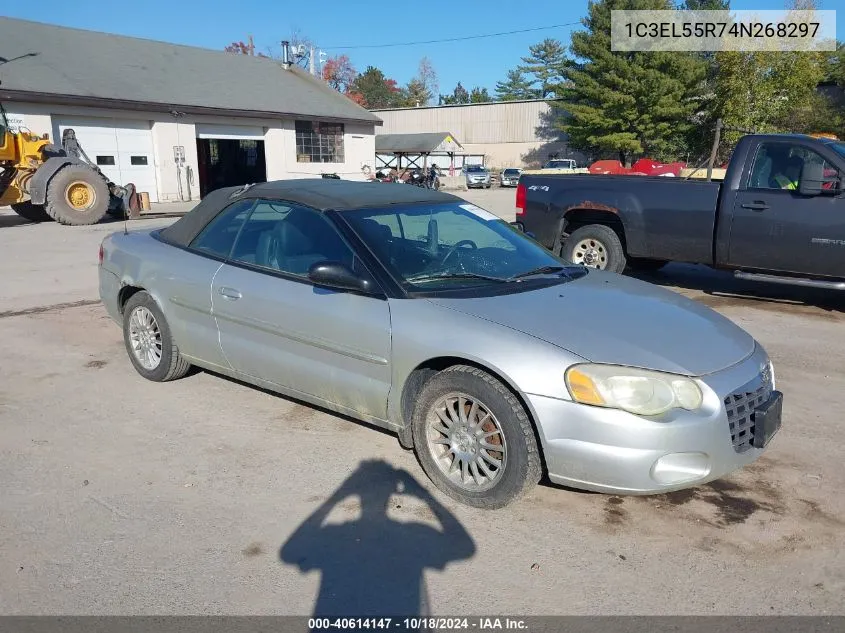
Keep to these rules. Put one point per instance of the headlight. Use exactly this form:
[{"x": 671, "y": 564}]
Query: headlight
[{"x": 638, "y": 391}]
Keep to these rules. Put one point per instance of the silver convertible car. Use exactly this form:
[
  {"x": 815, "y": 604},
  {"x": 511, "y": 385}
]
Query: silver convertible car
[{"x": 413, "y": 310}]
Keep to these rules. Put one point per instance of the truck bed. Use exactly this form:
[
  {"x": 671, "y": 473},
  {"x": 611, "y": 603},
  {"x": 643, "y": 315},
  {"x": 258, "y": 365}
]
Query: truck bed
[{"x": 663, "y": 218}]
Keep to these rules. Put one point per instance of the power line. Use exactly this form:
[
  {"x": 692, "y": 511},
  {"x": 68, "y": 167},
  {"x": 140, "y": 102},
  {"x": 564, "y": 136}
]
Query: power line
[{"x": 453, "y": 39}]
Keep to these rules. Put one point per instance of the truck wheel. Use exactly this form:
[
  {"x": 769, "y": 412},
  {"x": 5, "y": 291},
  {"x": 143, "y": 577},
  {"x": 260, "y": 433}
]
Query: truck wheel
[
  {"x": 149, "y": 342},
  {"x": 77, "y": 195},
  {"x": 646, "y": 265},
  {"x": 474, "y": 439},
  {"x": 595, "y": 246},
  {"x": 31, "y": 212}
]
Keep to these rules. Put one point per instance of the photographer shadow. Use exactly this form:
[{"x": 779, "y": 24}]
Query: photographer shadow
[{"x": 373, "y": 565}]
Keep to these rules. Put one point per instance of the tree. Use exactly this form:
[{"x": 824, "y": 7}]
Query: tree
[
  {"x": 373, "y": 90},
  {"x": 514, "y": 87},
  {"x": 835, "y": 65},
  {"x": 706, "y": 5},
  {"x": 765, "y": 91},
  {"x": 339, "y": 73},
  {"x": 459, "y": 95},
  {"x": 545, "y": 66},
  {"x": 243, "y": 48},
  {"x": 479, "y": 95},
  {"x": 427, "y": 78},
  {"x": 627, "y": 103}
]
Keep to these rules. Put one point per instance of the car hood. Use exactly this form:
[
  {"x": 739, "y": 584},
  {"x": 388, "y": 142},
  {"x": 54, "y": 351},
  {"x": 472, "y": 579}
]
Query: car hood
[{"x": 609, "y": 318}]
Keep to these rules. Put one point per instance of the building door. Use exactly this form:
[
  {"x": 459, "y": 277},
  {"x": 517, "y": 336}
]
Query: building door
[
  {"x": 121, "y": 148},
  {"x": 229, "y": 155}
]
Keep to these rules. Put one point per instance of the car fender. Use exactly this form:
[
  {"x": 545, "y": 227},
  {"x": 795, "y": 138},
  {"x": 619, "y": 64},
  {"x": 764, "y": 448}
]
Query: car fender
[{"x": 524, "y": 363}]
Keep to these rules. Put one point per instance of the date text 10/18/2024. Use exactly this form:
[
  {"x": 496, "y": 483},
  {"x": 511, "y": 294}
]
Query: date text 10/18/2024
[{"x": 417, "y": 624}]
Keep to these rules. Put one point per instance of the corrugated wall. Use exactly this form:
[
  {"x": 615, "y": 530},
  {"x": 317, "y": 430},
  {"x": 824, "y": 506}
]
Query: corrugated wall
[{"x": 504, "y": 122}]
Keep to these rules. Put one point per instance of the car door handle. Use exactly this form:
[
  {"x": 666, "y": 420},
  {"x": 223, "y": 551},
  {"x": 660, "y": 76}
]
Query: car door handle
[
  {"x": 230, "y": 293},
  {"x": 757, "y": 205}
]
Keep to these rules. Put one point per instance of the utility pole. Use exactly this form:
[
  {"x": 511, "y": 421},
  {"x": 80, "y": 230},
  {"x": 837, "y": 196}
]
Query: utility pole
[{"x": 311, "y": 61}]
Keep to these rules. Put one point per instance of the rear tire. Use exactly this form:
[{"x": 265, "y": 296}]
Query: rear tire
[
  {"x": 500, "y": 423},
  {"x": 595, "y": 246},
  {"x": 77, "y": 195},
  {"x": 31, "y": 212},
  {"x": 149, "y": 341}
]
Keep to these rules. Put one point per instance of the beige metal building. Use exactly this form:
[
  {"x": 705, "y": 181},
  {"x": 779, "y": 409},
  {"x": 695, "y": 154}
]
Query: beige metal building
[{"x": 498, "y": 134}]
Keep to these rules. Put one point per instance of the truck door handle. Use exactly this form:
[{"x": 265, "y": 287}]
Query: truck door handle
[
  {"x": 757, "y": 205},
  {"x": 230, "y": 293}
]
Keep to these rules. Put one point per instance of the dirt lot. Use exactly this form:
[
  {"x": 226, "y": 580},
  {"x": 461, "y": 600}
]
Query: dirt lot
[{"x": 122, "y": 496}]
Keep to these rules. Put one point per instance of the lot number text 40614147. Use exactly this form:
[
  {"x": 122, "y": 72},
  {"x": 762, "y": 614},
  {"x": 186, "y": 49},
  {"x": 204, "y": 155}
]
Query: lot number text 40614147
[{"x": 417, "y": 624}]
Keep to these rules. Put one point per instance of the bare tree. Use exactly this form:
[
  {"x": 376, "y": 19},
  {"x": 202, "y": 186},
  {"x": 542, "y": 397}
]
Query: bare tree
[{"x": 427, "y": 76}]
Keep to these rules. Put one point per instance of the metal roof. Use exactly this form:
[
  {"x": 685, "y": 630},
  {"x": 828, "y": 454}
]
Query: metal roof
[
  {"x": 422, "y": 143},
  {"x": 443, "y": 106},
  {"x": 74, "y": 66}
]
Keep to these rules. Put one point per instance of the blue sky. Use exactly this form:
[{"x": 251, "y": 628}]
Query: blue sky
[{"x": 334, "y": 23}]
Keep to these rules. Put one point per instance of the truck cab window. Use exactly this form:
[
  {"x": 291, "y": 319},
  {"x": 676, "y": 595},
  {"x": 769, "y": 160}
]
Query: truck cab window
[{"x": 779, "y": 166}]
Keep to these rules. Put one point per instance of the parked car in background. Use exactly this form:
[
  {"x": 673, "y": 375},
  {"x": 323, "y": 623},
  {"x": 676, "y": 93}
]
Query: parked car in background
[
  {"x": 510, "y": 177},
  {"x": 561, "y": 163},
  {"x": 778, "y": 216},
  {"x": 431, "y": 317},
  {"x": 477, "y": 177}
]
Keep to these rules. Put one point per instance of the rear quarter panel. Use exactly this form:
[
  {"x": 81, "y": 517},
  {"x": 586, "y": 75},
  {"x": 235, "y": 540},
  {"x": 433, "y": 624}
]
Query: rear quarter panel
[{"x": 178, "y": 280}]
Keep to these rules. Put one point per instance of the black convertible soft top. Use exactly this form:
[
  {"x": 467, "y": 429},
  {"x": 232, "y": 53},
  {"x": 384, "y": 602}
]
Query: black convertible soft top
[{"x": 318, "y": 193}]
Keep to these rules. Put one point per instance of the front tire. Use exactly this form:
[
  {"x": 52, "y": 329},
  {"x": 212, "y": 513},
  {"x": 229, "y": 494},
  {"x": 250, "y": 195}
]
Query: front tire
[
  {"x": 149, "y": 341},
  {"x": 595, "y": 246},
  {"x": 77, "y": 195},
  {"x": 474, "y": 439}
]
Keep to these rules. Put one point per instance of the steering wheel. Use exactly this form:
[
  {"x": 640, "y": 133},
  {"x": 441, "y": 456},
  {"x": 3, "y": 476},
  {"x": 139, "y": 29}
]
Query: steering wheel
[{"x": 456, "y": 246}]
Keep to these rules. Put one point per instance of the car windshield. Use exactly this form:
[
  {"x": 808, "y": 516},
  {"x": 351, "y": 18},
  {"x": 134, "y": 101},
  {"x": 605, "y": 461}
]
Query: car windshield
[
  {"x": 476, "y": 168},
  {"x": 453, "y": 245},
  {"x": 839, "y": 148},
  {"x": 511, "y": 172}
]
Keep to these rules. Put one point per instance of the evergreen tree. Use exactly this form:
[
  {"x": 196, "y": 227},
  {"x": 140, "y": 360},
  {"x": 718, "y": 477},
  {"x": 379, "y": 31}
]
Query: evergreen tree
[
  {"x": 479, "y": 95},
  {"x": 459, "y": 95},
  {"x": 545, "y": 66},
  {"x": 628, "y": 103},
  {"x": 373, "y": 90},
  {"x": 514, "y": 87}
]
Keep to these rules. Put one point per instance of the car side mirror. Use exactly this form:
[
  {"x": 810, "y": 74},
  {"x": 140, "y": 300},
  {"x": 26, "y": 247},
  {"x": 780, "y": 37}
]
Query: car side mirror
[
  {"x": 337, "y": 276},
  {"x": 812, "y": 177}
]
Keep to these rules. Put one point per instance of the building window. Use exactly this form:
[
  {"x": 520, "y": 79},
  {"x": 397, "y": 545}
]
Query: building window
[
  {"x": 319, "y": 142},
  {"x": 138, "y": 160},
  {"x": 105, "y": 160}
]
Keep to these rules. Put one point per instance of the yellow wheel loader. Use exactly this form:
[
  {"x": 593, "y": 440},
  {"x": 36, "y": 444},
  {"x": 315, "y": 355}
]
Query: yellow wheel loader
[{"x": 43, "y": 181}]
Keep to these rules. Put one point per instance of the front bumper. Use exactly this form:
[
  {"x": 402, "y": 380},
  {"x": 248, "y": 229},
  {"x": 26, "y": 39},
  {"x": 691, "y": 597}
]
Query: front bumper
[{"x": 611, "y": 451}]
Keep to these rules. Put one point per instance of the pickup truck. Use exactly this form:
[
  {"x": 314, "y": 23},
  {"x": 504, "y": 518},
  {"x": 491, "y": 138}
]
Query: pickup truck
[{"x": 778, "y": 215}]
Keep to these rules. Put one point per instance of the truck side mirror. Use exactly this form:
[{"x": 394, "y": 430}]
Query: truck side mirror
[{"x": 812, "y": 177}]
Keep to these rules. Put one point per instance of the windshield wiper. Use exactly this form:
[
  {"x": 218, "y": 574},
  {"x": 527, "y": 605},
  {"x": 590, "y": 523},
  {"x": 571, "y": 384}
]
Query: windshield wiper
[
  {"x": 542, "y": 270},
  {"x": 438, "y": 276}
]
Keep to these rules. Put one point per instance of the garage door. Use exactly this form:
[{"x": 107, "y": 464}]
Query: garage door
[{"x": 121, "y": 148}]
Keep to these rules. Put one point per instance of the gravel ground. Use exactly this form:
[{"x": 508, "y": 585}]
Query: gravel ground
[{"x": 121, "y": 496}]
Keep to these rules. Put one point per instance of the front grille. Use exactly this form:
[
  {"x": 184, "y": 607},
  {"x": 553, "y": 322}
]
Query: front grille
[{"x": 740, "y": 406}]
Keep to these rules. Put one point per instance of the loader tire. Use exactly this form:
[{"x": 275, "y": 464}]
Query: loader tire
[
  {"x": 31, "y": 212},
  {"x": 77, "y": 195}
]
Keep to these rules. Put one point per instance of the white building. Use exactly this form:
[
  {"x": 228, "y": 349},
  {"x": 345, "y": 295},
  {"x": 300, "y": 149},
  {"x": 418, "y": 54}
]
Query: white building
[
  {"x": 178, "y": 121},
  {"x": 498, "y": 134}
]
